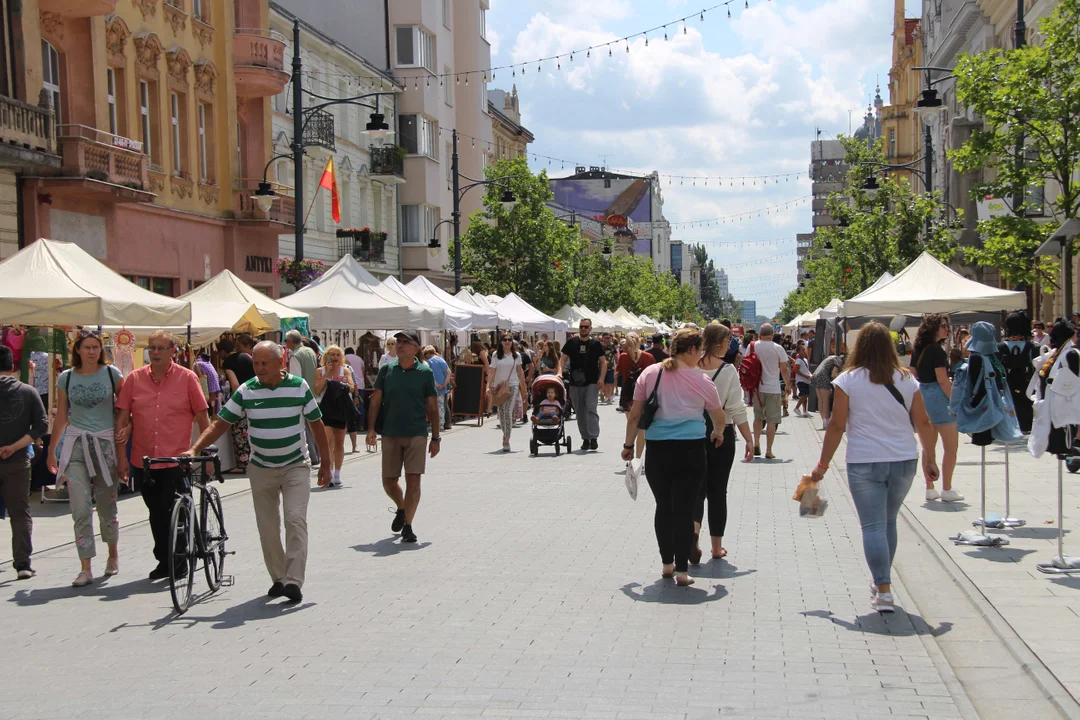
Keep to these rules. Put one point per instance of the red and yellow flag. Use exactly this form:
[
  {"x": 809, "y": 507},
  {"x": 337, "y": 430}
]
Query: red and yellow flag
[{"x": 329, "y": 181}]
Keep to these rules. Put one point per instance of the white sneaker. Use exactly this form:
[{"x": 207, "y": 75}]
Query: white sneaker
[
  {"x": 951, "y": 495},
  {"x": 883, "y": 603},
  {"x": 932, "y": 494},
  {"x": 335, "y": 478}
]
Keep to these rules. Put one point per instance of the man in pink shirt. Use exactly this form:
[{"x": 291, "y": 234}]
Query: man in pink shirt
[{"x": 160, "y": 401}]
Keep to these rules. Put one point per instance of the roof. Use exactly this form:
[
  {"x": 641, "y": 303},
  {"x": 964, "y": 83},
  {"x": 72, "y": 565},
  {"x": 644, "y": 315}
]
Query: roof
[
  {"x": 510, "y": 125},
  {"x": 911, "y": 25}
]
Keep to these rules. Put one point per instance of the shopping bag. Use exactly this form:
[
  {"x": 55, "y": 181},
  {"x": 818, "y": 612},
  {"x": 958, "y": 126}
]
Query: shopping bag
[
  {"x": 633, "y": 474},
  {"x": 812, "y": 504}
]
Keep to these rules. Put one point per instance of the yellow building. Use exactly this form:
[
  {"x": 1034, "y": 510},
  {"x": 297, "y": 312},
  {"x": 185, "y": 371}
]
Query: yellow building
[
  {"x": 161, "y": 109},
  {"x": 901, "y": 133},
  {"x": 511, "y": 138}
]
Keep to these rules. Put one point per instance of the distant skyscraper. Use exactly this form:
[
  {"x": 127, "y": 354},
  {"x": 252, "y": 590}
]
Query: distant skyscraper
[
  {"x": 722, "y": 281},
  {"x": 749, "y": 310}
]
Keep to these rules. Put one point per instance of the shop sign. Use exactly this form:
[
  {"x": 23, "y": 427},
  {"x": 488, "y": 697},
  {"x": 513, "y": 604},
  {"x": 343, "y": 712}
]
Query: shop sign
[
  {"x": 991, "y": 207},
  {"x": 259, "y": 263},
  {"x": 126, "y": 143},
  {"x": 618, "y": 221}
]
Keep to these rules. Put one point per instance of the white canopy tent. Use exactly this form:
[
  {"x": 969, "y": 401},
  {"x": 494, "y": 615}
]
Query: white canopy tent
[
  {"x": 455, "y": 319},
  {"x": 608, "y": 320},
  {"x": 349, "y": 297},
  {"x": 832, "y": 309},
  {"x": 572, "y": 315},
  {"x": 601, "y": 322},
  {"x": 430, "y": 294},
  {"x": 631, "y": 320},
  {"x": 54, "y": 283},
  {"x": 927, "y": 285},
  {"x": 795, "y": 322},
  {"x": 479, "y": 301},
  {"x": 530, "y": 319}
]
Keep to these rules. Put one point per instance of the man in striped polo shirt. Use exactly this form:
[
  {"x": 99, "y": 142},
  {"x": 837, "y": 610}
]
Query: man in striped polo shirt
[{"x": 276, "y": 408}]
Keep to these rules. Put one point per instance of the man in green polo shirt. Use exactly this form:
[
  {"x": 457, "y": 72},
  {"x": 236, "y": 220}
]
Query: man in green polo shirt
[
  {"x": 405, "y": 397},
  {"x": 277, "y": 408}
]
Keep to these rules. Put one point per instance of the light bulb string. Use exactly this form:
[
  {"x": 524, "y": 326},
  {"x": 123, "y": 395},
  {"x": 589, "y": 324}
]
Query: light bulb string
[{"x": 728, "y": 218}]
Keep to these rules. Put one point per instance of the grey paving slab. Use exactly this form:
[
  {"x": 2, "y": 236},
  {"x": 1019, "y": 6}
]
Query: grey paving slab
[{"x": 534, "y": 592}]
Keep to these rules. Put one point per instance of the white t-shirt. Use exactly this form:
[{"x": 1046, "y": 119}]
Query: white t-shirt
[
  {"x": 878, "y": 427},
  {"x": 506, "y": 369},
  {"x": 771, "y": 355},
  {"x": 802, "y": 370}
]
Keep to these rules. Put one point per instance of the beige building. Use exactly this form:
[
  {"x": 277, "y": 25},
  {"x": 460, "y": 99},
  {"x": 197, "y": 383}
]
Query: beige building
[
  {"x": 511, "y": 138},
  {"x": 901, "y": 131}
]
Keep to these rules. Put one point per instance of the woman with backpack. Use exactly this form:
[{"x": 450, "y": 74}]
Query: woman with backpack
[
  {"x": 1018, "y": 355},
  {"x": 876, "y": 403},
  {"x": 84, "y": 434},
  {"x": 719, "y": 459},
  {"x": 931, "y": 363}
]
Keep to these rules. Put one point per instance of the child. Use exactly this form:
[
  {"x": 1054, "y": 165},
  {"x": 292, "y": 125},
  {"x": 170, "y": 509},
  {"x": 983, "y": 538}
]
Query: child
[{"x": 549, "y": 410}]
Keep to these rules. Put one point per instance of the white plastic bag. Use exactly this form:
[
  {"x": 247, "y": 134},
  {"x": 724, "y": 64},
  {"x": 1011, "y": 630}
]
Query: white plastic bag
[{"x": 633, "y": 474}]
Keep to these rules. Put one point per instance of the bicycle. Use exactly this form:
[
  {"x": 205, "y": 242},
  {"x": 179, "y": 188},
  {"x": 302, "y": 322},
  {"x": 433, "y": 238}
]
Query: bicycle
[{"x": 195, "y": 536}]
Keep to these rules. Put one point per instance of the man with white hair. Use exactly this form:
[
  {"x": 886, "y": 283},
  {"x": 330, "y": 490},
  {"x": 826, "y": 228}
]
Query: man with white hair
[
  {"x": 277, "y": 408},
  {"x": 304, "y": 362},
  {"x": 767, "y": 398}
]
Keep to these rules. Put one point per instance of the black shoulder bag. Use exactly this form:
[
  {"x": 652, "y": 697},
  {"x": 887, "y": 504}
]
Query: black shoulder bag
[
  {"x": 900, "y": 399},
  {"x": 651, "y": 405},
  {"x": 708, "y": 418}
]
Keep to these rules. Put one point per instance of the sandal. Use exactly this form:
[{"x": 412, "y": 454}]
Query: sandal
[
  {"x": 83, "y": 579},
  {"x": 112, "y": 566},
  {"x": 685, "y": 581},
  {"x": 721, "y": 556},
  {"x": 667, "y": 575}
]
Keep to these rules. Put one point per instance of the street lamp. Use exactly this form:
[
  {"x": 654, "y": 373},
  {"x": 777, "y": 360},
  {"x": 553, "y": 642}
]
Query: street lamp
[{"x": 508, "y": 202}]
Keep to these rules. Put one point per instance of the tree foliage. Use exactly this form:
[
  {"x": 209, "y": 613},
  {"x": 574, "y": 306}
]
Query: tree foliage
[
  {"x": 712, "y": 304},
  {"x": 1028, "y": 98},
  {"x": 880, "y": 231},
  {"x": 526, "y": 250},
  {"x": 607, "y": 282}
]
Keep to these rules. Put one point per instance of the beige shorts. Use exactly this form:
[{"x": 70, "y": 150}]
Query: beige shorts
[
  {"x": 767, "y": 407},
  {"x": 407, "y": 452}
]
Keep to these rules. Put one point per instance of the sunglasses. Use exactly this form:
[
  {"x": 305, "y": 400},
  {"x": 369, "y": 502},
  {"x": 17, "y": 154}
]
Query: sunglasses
[
  {"x": 508, "y": 340},
  {"x": 89, "y": 333}
]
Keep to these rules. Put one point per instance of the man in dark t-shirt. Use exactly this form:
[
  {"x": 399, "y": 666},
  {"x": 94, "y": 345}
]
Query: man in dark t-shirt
[
  {"x": 584, "y": 362},
  {"x": 657, "y": 349}
]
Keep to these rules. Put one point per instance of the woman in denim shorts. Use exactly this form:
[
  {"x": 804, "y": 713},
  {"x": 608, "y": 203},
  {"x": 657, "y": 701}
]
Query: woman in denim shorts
[{"x": 931, "y": 363}]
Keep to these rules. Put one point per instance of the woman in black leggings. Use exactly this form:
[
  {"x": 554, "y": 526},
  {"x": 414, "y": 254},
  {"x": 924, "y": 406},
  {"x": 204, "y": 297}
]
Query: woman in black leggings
[{"x": 717, "y": 366}]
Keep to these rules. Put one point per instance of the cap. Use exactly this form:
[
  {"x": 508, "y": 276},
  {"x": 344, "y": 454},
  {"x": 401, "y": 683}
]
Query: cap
[{"x": 409, "y": 335}]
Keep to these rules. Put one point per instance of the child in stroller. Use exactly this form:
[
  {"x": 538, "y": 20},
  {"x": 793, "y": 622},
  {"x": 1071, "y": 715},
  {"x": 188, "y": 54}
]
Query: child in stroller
[
  {"x": 549, "y": 410},
  {"x": 548, "y": 414}
]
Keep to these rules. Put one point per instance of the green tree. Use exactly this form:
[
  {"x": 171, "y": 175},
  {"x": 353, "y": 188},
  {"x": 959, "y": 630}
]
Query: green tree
[
  {"x": 1028, "y": 98},
  {"x": 526, "y": 250},
  {"x": 881, "y": 230},
  {"x": 610, "y": 281},
  {"x": 711, "y": 303}
]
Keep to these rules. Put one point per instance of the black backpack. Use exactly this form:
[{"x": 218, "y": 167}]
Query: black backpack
[{"x": 1017, "y": 362}]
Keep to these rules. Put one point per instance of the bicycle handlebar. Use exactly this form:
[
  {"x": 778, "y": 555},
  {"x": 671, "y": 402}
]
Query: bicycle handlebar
[{"x": 149, "y": 462}]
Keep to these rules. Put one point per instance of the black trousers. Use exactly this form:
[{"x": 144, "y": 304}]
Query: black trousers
[
  {"x": 675, "y": 470},
  {"x": 159, "y": 493},
  {"x": 719, "y": 461}
]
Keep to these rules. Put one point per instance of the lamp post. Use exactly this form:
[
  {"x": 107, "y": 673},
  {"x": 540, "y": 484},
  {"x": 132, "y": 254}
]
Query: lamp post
[
  {"x": 508, "y": 203},
  {"x": 376, "y": 131}
]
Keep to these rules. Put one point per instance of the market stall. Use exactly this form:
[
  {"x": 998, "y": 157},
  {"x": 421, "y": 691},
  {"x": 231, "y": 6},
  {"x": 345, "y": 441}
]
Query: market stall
[
  {"x": 348, "y": 296},
  {"x": 529, "y": 318},
  {"x": 430, "y": 294},
  {"x": 455, "y": 319},
  {"x": 480, "y": 301}
]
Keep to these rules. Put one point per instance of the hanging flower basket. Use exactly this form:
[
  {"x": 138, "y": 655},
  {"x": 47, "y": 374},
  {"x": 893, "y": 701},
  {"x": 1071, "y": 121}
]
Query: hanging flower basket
[{"x": 299, "y": 273}]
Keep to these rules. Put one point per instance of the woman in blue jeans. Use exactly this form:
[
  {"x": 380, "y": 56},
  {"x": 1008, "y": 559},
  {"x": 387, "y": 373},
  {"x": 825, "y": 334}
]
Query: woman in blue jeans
[{"x": 876, "y": 401}]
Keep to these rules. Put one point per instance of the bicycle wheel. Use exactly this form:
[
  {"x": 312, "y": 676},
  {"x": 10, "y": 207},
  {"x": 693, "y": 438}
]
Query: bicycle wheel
[
  {"x": 213, "y": 537},
  {"x": 181, "y": 552}
]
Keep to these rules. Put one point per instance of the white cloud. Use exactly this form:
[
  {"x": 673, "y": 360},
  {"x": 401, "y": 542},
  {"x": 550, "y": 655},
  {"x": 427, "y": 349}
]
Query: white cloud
[{"x": 493, "y": 40}]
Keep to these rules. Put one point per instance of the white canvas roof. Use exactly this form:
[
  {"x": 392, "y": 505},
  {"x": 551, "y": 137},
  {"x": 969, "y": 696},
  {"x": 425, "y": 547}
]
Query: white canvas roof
[
  {"x": 599, "y": 321},
  {"x": 481, "y": 302},
  {"x": 349, "y": 297},
  {"x": 631, "y": 320},
  {"x": 531, "y": 319},
  {"x": 571, "y": 315},
  {"x": 58, "y": 283},
  {"x": 428, "y": 293},
  {"x": 832, "y": 309},
  {"x": 227, "y": 287},
  {"x": 927, "y": 285},
  {"x": 456, "y": 319}
]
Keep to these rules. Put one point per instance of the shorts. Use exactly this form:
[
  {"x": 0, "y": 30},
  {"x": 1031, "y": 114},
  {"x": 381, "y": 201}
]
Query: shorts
[
  {"x": 803, "y": 388},
  {"x": 335, "y": 424},
  {"x": 767, "y": 408},
  {"x": 407, "y": 452},
  {"x": 937, "y": 404},
  {"x": 609, "y": 377}
]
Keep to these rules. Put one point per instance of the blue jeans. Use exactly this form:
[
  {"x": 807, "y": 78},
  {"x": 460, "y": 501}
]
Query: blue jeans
[{"x": 878, "y": 490}]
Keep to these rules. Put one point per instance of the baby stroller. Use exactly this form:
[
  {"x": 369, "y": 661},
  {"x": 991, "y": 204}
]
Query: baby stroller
[{"x": 553, "y": 432}]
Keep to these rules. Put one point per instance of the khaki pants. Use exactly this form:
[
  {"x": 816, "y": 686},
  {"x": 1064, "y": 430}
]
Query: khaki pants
[{"x": 271, "y": 488}]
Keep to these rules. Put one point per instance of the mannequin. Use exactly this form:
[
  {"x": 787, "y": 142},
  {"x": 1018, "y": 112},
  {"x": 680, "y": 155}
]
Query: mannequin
[
  {"x": 1018, "y": 354},
  {"x": 981, "y": 398}
]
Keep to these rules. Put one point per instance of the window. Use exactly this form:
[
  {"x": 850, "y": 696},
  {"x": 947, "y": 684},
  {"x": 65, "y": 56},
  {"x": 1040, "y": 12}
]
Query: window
[
  {"x": 162, "y": 286},
  {"x": 178, "y": 158},
  {"x": 197, "y": 9},
  {"x": 448, "y": 87},
  {"x": 50, "y": 64},
  {"x": 446, "y": 14},
  {"x": 415, "y": 47},
  {"x": 484, "y": 96},
  {"x": 203, "y": 169},
  {"x": 376, "y": 194},
  {"x": 892, "y": 142},
  {"x": 417, "y": 135},
  {"x": 110, "y": 88},
  {"x": 449, "y": 162},
  {"x": 346, "y": 204},
  {"x": 418, "y": 224},
  {"x": 144, "y": 118},
  {"x": 483, "y": 23}
]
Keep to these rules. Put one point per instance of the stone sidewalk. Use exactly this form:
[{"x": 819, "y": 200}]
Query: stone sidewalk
[{"x": 534, "y": 592}]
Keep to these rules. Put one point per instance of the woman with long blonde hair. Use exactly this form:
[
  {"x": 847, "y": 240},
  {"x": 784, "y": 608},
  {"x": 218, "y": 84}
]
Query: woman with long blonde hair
[
  {"x": 629, "y": 366},
  {"x": 876, "y": 401},
  {"x": 334, "y": 370}
]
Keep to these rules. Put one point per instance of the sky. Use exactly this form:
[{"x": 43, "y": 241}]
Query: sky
[{"x": 724, "y": 98}]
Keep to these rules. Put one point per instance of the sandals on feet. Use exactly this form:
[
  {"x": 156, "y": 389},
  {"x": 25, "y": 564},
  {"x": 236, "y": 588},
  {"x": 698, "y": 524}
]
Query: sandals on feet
[
  {"x": 685, "y": 581},
  {"x": 112, "y": 567},
  {"x": 83, "y": 579},
  {"x": 668, "y": 575}
]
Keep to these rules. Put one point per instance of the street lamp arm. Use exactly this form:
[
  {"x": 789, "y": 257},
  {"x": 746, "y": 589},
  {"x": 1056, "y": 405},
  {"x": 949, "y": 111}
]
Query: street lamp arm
[
  {"x": 309, "y": 113},
  {"x": 478, "y": 183},
  {"x": 272, "y": 161}
]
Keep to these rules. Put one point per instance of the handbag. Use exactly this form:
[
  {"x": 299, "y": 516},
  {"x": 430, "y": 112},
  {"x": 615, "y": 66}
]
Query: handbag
[
  {"x": 633, "y": 474},
  {"x": 648, "y": 413},
  {"x": 501, "y": 393}
]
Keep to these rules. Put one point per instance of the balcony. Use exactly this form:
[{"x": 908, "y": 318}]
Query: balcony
[
  {"x": 388, "y": 163},
  {"x": 282, "y": 211},
  {"x": 78, "y": 8},
  {"x": 364, "y": 245},
  {"x": 25, "y": 137},
  {"x": 259, "y": 62},
  {"x": 319, "y": 130},
  {"x": 96, "y": 161}
]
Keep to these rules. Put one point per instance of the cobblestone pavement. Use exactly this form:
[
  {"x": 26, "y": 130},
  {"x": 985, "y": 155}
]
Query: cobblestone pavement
[{"x": 534, "y": 592}]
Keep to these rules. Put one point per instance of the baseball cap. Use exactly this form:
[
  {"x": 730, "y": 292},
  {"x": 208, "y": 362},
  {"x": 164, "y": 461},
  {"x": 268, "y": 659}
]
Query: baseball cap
[{"x": 409, "y": 335}]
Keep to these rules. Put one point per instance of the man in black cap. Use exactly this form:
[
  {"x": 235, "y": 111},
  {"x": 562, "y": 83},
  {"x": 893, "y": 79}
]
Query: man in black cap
[{"x": 405, "y": 401}]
